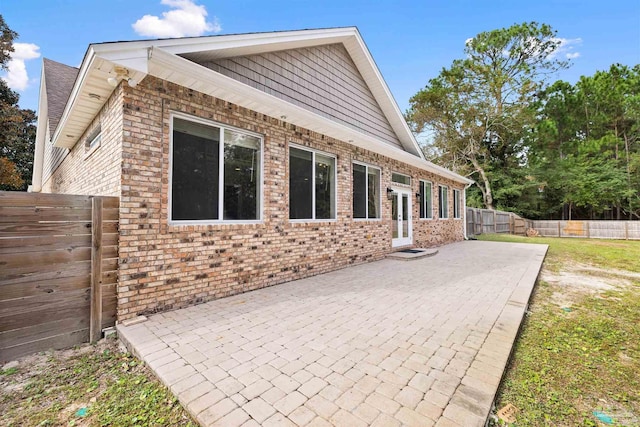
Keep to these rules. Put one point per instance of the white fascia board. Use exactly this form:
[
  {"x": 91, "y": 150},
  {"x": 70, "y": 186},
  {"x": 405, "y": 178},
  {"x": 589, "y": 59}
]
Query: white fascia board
[
  {"x": 41, "y": 135},
  {"x": 263, "y": 41},
  {"x": 186, "y": 73}
]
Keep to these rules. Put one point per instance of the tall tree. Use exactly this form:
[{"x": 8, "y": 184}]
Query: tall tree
[
  {"x": 586, "y": 145},
  {"x": 476, "y": 111},
  {"x": 17, "y": 126}
]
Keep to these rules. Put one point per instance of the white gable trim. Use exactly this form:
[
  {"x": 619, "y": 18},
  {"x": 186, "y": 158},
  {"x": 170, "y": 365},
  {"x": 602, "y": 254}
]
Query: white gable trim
[{"x": 149, "y": 56}]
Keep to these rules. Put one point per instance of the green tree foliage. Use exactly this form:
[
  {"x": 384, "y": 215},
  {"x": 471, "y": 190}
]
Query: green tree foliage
[
  {"x": 475, "y": 112},
  {"x": 585, "y": 150},
  {"x": 17, "y": 126},
  {"x": 6, "y": 43}
]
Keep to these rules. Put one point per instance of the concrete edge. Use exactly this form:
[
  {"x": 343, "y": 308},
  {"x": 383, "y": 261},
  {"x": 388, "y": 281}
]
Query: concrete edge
[{"x": 516, "y": 308}]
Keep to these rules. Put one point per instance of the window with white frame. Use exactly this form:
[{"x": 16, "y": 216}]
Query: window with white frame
[
  {"x": 426, "y": 200},
  {"x": 366, "y": 191},
  {"x": 456, "y": 204},
  {"x": 443, "y": 196},
  {"x": 215, "y": 172},
  {"x": 400, "y": 178},
  {"x": 312, "y": 184}
]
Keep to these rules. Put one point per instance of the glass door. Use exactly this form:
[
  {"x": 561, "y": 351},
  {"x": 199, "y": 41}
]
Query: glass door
[{"x": 401, "y": 219}]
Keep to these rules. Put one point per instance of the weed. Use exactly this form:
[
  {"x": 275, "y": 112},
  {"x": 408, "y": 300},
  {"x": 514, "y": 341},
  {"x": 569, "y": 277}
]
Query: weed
[{"x": 9, "y": 371}]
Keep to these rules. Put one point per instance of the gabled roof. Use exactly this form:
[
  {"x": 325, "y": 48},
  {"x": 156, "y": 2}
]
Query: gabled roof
[
  {"x": 174, "y": 60},
  {"x": 59, "y": 80}
]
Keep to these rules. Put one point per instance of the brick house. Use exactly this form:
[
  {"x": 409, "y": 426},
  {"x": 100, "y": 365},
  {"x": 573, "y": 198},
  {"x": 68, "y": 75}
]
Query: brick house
[{"x": 240, "y": 161}]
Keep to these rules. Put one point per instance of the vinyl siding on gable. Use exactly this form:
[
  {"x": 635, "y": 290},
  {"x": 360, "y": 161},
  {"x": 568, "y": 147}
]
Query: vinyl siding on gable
[{"x": 321, "y": 79}]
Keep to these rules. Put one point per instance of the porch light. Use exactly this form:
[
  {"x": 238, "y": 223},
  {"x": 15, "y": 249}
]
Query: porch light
[{"x": 389, "y": 193}]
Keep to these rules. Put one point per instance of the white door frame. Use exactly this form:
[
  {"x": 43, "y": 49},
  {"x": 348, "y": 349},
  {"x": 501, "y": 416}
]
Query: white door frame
[{"x": 402, "y": 240}]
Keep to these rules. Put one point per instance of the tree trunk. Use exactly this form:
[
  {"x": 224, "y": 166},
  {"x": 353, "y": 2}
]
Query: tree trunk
[{"x": 486, "y": 191}]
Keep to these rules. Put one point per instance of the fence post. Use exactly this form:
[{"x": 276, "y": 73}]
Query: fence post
[
  {"x": 559, "y": 229},
  {"x": 495, "y": 221},
  {"x": 95, "y": 322},
  {"x": 626, "y": 230},
  {"x": 588, "y": 229}
]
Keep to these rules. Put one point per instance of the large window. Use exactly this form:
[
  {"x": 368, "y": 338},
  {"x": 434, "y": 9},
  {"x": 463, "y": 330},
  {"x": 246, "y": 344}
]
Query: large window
[
  {"x": 456, "y": 204},
  {"x": 215, "y": 173},
  {"x": 443, "y": 196},
  {"x": 312, "y": 185},
  {"x": 426, "y": 200},
  {"x": 366, "y": 191}
]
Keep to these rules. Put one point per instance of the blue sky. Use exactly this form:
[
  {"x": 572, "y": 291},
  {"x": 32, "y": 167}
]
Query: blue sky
[{"x": 411, "y": 41}]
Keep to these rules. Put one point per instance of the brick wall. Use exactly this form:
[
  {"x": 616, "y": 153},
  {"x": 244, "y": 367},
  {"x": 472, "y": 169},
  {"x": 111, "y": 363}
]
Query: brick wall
[
  {"x": 92, "y": 172},
  {"x": 165, "y": 266}
]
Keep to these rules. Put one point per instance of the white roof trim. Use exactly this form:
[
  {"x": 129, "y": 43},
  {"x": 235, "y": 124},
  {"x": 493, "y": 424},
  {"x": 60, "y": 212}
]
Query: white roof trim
[{"x": 149, "y": 56}]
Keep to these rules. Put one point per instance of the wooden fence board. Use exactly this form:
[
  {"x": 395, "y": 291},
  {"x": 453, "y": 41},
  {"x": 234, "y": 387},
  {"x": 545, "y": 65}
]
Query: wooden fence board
[
  {"x": 35, "y": 303},
  {"x": 38, "y": 287},
  {"x": 43, "y": 330},
  {"x": 45, "y": 270},
  {"x": 55, "y": 342},
  {"x": 39, "y": 228},
  {"x": 28, "y": 259},
  {"x": 33, "y": 214},
  {"x": 72, "y": 307},
  {"x": 36, "y": 214},
  {"x": 599, "y": 229},
  {"x": 61, "y": 269},
  {"x": 95, "y": 324},
  {"x": 18, "y": 199},
  {"x": 41, "y": 244}
]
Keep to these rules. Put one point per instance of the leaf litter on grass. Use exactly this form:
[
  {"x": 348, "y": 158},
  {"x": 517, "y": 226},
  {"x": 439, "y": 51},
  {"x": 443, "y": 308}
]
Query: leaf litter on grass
[{"x": 87, "y": 386}]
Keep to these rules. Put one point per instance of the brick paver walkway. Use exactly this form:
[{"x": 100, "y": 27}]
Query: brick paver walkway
[{"x": 388, "y": 343}]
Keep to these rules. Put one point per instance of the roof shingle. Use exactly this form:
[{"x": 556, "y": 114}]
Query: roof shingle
[{"x": 59, "y": 80}]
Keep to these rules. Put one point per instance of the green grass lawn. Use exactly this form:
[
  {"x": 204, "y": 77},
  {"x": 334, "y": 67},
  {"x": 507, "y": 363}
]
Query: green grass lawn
[{"x": 584, "y": 357}]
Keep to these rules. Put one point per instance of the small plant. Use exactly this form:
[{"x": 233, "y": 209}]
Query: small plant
[{"x": 9, "y": 371}]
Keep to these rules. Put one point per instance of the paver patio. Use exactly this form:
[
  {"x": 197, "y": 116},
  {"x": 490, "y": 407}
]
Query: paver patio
[{"x": 389, "y": 343}]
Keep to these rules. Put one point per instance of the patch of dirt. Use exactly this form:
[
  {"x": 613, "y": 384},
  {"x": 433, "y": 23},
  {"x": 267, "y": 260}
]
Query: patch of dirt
[{"x": 575, "y": 280}]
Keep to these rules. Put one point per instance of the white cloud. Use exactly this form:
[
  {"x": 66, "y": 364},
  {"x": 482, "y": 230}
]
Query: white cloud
[
  {"x": 567, "y": 48},
  {"x": 183, "y": 20},
  {"x": 17, "y": 77}
]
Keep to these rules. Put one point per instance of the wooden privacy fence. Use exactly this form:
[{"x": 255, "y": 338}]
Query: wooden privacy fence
[
  {"x": 489, "y": 221},
  {"x": 58, "y": 270},
  {"x": 624, "y": 230}
]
